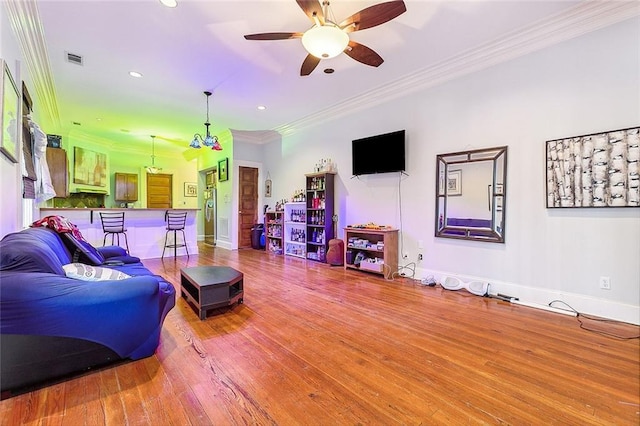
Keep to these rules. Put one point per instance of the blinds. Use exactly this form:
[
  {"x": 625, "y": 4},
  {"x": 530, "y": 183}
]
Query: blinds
[
  {"x": 29, "y": 173},
  {"x": 28, "y": 188}
]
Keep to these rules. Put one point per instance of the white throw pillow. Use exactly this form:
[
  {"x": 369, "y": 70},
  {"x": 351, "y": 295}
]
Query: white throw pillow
[{"x": 84, "y": 272}]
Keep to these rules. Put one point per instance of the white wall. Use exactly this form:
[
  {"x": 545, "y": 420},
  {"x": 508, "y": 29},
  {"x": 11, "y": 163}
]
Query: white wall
[
  {"x": 586, "y": 85},
  {"x": 10, "y": 173}
]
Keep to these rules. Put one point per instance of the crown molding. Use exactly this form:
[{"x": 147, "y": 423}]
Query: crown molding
[
  {"x": 27, "y": 27},
  {"x": 582, "y": 19},
  {"x": 255, "y": 136}
]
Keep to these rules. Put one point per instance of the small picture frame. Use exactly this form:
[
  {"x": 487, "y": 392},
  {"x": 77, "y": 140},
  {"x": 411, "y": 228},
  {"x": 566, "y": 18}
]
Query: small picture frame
[
  {"x": 223, "y": 172},
  {"x": 267, "y": 188},
  {"x": 499, "y": 194},
  {"x": 454, "y": 182},
  {"x": 190, "y": 189},
  {"x": 10, "y": 121}
]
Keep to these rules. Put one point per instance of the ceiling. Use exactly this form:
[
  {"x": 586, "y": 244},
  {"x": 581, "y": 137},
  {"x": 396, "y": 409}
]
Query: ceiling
[{"x": 199, "y": 46}]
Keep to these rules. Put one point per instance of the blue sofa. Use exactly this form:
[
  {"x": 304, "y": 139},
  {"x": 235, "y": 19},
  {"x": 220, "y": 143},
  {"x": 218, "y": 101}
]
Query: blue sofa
[{"x": 53, "y": 326}]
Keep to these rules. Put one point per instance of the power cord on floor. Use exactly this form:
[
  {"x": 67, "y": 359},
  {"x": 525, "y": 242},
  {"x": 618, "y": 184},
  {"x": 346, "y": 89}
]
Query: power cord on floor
[
  {"x": 400, "y": 272},
  {"x": 588, "y": 317},
  {"x": 429, "y": 281}
]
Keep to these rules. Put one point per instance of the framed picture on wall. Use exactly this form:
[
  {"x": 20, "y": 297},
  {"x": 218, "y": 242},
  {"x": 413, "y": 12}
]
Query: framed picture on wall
[
  {"x": 595, "y": 170},
  {"x": 89, "y": 167},
  {"x": 10, "y": 113},
  {"x": 454, "y": 182},
  {"x": 267, "y": 188},
  {"x": 190, "y": 189},
  {"x": 223, "y": 172}
]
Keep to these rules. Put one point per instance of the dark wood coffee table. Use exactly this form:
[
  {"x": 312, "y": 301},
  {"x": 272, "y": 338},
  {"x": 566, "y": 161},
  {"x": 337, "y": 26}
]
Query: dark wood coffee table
[{"x": 209, "y": 287}]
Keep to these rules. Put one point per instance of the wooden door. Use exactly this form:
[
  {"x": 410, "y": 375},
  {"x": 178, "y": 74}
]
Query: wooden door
[
  {"x": 159, "y": 191},
  {"x": 248, "y": 204}
]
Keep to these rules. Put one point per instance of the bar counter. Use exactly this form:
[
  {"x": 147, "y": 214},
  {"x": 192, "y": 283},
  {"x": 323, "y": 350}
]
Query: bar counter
[{"x": 146, "y": 228}]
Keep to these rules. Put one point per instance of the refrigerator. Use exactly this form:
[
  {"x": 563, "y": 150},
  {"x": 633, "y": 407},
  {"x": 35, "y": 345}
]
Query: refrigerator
[{"x": 210, "y": 210}]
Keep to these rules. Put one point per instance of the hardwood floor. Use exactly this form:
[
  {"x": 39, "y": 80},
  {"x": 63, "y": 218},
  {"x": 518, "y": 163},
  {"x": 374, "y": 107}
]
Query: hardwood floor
[{"x": 316, "y": 345}]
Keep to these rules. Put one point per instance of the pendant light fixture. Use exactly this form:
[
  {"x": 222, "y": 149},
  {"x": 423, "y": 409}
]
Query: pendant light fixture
[
  {"x": 152, "y": 168},
  {"x": 208, "y": 140}
]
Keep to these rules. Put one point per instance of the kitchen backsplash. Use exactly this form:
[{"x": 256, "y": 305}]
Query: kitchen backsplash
[{"x": 80, "y": 201}]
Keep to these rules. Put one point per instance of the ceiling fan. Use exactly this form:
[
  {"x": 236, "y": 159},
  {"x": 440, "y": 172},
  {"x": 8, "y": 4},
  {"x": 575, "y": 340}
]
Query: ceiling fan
[{"x": 326, "y": 39}]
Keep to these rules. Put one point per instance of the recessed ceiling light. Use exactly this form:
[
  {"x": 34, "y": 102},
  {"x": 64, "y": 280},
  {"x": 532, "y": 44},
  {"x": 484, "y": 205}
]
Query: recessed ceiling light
[
  {"x": 262, "y": 107},
  {"x": 169, "y": 3},
  {"x": 135, "y": 74}
]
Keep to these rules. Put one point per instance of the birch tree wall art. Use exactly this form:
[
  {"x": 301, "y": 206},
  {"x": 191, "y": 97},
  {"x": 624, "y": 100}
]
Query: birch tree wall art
[{"x": 598, "y": 170}]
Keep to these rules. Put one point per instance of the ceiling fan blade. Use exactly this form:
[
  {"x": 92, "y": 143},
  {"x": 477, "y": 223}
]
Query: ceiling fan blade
[
  {"x": 309, "y": 64},
  {"x": 362, "y": 53},
  {"x": 373, "y": 16},
  {"x": 273, "y": 36},
  {"x": 312, "y": 8}
]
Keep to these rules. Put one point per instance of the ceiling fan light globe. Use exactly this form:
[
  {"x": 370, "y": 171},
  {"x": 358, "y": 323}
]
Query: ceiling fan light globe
[
  {"x": 208, "y": 141},
  {"x": 325, "y": 42}
]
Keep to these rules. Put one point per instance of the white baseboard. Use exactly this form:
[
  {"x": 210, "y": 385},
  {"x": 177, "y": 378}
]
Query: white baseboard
[
  {"x": 224, "y": 245},
  {"x": 219, "y": 244},
  {"x": 532, "y": 296}
]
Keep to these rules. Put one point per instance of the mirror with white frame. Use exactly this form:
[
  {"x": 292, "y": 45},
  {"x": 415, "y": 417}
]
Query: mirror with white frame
[{"x": 471, "y": 194}]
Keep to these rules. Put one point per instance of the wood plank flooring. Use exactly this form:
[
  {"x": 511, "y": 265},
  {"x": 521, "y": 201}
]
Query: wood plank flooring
[{"x": 318, "y": 345}]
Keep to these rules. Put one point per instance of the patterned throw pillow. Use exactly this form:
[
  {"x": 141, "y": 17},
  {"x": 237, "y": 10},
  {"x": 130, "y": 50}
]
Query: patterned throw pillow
[{"x": 84, "y": 272}]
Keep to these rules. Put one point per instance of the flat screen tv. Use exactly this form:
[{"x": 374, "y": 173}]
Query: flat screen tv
[{"x": 378, "y": 154}]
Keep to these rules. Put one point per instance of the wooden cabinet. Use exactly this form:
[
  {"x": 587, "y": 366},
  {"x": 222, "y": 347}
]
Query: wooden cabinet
[
  {"x": 126, "y": 187},
  {"x": 379, "y": 248},
  {"x": 294, "y": 229},
  {"x": 319, "y": 198},
  {"x": 274, "y": 231},
  {"x": 59, "y": 171}
]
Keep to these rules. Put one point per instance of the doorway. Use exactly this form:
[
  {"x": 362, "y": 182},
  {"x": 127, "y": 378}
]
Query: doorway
[{"x": 248, "y": 204}]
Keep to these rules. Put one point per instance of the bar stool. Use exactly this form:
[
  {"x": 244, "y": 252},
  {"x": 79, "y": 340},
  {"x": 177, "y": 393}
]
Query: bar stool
[
  {"x": 113, "y": 224},
  {"x": 175, "y": 222}
]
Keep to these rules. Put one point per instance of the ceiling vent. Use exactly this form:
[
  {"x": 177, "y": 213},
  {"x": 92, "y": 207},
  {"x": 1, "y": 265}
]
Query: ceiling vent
[{"x": 74, "y": 59}]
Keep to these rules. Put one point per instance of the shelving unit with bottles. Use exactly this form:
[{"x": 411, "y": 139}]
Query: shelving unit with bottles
[
  {"x": 378, "y": 245},
  {"x": 274, "y": 230},
  {"x": 319, "y": 205},
  {"x": 295, "y": 229}
]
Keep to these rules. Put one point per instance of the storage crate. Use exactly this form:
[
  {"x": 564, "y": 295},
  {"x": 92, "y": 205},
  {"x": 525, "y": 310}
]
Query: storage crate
[{"x": 373, "y": 267}]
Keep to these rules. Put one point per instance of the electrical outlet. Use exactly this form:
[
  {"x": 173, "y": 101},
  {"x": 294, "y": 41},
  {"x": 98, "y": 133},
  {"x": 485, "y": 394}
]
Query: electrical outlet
[
  {"x": 605, "y": 283},
  {"x": 420, "y": 256}
]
